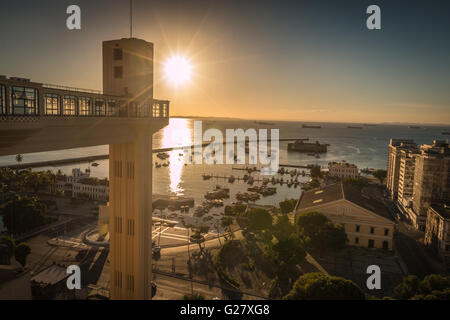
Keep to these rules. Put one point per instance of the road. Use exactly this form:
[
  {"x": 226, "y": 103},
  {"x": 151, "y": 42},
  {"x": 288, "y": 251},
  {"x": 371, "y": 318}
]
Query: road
[{"x": 174, "y": 288}]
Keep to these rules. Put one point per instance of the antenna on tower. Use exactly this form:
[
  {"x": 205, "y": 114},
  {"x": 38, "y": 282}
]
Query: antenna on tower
[{"x": 131, "y": 19}]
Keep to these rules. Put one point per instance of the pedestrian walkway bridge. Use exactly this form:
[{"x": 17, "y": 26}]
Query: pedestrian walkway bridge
[{"x": 36, "y": 117}]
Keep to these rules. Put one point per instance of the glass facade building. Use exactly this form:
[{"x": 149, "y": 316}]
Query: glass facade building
[
  {"x": 2, "y": 100},
  {"x": 99, "y": 107},
  {"x": 52, "y": 104},
  {"x": 69, "y": 105},
  {"x": 24, "y": 101},
  {"x": 85, "y": 106},
  {"x": 112, "y": 107}
]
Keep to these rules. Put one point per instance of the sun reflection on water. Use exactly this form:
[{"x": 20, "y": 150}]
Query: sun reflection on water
[{"x": 177, "y": 133}]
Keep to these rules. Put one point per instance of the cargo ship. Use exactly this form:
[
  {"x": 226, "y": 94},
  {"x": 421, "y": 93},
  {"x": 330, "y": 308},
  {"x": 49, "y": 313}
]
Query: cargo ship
[
  {"x": 306, "y": 126},
  {"x": 306, "y": 147}
]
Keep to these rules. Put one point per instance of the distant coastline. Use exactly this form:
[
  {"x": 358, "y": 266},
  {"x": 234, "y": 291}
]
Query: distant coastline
[{"x": 313, "y": 122}]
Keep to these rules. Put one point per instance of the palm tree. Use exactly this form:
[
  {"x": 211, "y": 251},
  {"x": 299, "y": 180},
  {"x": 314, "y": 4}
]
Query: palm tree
[{"x": 19, "y": 158}]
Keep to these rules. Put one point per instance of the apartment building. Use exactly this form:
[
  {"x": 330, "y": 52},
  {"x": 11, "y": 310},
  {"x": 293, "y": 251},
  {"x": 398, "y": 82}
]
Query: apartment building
[
  {"x": 396, "y": 146},
  {"x": 431, "y": 180},
  {"x": 406, "y": 177},
  {"x": 437, "y": 233}
]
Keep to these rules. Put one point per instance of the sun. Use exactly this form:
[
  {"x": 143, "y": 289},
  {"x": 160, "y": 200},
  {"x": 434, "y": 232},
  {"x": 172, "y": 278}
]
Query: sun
[{"x": 177, "y": 70}]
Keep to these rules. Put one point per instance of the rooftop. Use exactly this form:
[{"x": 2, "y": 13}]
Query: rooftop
[
  {"x": 50, "y": 276},
  {"x": 338, "y": 191}
]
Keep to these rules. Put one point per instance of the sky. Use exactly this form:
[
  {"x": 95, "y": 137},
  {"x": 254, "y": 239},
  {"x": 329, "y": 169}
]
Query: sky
[{"x": 311, "y": 60}]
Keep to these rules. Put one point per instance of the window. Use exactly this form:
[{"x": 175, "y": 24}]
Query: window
[
  {"x": 23, "y": 100},
  {"x": 112, "y": 108},
  {"x": 99, "y": 107},
  {"x": 118, "y": 72},
  {"x": 358, "y": 228},
  {"x": 385, "y": 245},
  {"x": 117, "y": 166},
  {"x": 386, "y": 232},
  {"x": 144, "y": 110},
  {"x": 52, "y": 102},
  {"x": 2, "y": 100},
  {"x": 118, "y": 279},
  {"x": 85, "y": 106},
  {"x": 156, "y": 112},
  {"x": 118, "y": 53},
  {"x": 372, "y": 230},
  {"x": 69, "y": 105},
  {"x": 130, "y": 227},
  {"x": 130, "y": 283},
  {"x": 356, "y": 240},
  {"x": 130, "y": 170},
  {"x": 118, "y": 224},
  {"x": 371, "y": 243}
]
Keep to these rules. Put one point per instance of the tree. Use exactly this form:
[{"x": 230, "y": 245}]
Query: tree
[
  {"x": 407, "y": 288},
  {"x": 19, "y": 158},
  {"x": 434, "y": 282},
  {"x": 259, "y": 220},
  {"x": 318, "y": 286},
  {"x": 239, "y": 209},
  {"x": 432, "y": 287},
  {"x": 380, "y": 175},
  {"x": 10, "y": 244},
  {"x": 23, "y": 214},
  {"x": 21, "y": 252},
  {"x": 226, "y": 223},
  {"x": 198, "y": 236},
  {"x": 289, "y": 251},
  {"x": 283, "y": 228},
  {"x": 287, "y": 206},
  {"x": 315, "y": 172},
  {"x": 310, "y": 222},
  {"x": 319, "y": 233},
  {"x": 194, "y": 296},
  {"x": 35, "y": 180},
  {"x": 228, "y": 211}
]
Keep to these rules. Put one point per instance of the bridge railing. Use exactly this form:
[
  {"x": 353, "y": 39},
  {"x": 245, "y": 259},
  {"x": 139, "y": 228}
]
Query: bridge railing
[{"x": 26, "y": 99}]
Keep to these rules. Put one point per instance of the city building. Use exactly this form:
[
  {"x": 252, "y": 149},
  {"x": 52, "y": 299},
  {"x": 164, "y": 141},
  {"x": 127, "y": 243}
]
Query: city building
[
  {"x": 365, "y": 220},
  {"x": 81, "y": 185},
  {"x": 77, "y": 174},
  {"x": 51, "y": 284},
  {"x": 128, "y": 69},
  {"x": 437, "y": 232},
  {"x": 91, "y": 188},
  {"x": 406, "y": 178},
  {"x": 396, "y": 146},
  {"x": 431, "y": 180},
  {"x": 343, "y": 170},
  {"x": 37, "y": 117}
]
